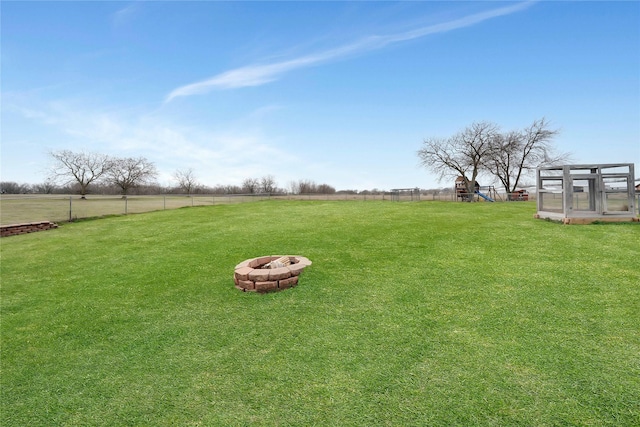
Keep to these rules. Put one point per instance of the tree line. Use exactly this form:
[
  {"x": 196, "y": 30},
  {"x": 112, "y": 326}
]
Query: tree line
[{"x": 82, "y": 172}]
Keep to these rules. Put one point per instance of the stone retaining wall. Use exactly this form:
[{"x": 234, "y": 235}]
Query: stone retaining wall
[
  {"x": 249, "y": 277},
  {"x": 30, "y": 227}
]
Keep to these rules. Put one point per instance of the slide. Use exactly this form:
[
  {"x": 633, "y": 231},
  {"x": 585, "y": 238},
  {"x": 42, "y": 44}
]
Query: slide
[{"x": 484, "y": 196}]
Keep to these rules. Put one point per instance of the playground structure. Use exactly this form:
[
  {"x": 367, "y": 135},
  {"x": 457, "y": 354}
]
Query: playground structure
[
  {"x": 465, "y": 196},
  {"x": 582, "y": 194}
]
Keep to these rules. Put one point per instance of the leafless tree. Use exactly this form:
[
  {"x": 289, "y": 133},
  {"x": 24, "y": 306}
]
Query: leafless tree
[
  {"x": 127, "y": 173},
  {"x": 326, "y": 189},
  {"x": 232, "y": 189},
  {"x": 10, "y": 187},
  {"x": 306, "y": 186},
  {"x": 187, "y": 180},
  {"x": 81, "y": 168},
  {"x": 294, "y": 187},
  {"x": 268, "y": 184},
  {"x": 514, "y": 154},
  {"x": 462, "y": 154},
  {"x": 48, "y": 186},
  {"x": 250, "y": 185}
]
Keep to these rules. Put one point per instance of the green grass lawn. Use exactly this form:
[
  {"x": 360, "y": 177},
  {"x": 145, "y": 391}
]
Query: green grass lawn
[{"x": 429, "y": 313}]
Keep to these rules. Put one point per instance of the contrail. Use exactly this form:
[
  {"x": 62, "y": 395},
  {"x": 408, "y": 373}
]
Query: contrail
[{"x": 259, "y": 74}]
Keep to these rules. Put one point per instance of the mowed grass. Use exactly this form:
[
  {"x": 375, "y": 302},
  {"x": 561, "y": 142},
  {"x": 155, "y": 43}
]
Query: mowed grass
[
  {"x": 428, "y": 313},
  {"x": 17, "y": 209}
]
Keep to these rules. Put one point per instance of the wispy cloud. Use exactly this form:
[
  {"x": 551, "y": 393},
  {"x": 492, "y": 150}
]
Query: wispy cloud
[
  {"x": 259, "y": 74},
  {"x": 221, "y": 155},
  {"x": 125, "y": 14}
]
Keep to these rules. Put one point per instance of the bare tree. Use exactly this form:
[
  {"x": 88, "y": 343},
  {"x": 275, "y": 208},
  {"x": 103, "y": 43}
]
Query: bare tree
[
  {"x": 516, "y": 153},
  {"x": 294, "y": 187},
  {"x": 462, "y": 154},
  {"x": 81, "y": 168},
  {"x": 306, "y": 186},
  {"x": 47, "y": 187},
  {"x": 268, "y": 184},
  {"x": 250, "y": 185},
  {"x": 186, "y": 179},
  {"x": 326, "y": 189},
  {"x": 10, "y": 187},
  {"x": 127, "y": 173}
]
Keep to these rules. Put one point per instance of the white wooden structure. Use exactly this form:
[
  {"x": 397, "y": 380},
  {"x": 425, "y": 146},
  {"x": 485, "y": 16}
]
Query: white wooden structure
[{"x": 581, "y": 194}]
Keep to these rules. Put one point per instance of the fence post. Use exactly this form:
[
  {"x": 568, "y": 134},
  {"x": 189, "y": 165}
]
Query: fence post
[
  {"x": 70, "y": 209},
  {"x": 126, "y": 205},
  {"x": 164, "y": 203}
]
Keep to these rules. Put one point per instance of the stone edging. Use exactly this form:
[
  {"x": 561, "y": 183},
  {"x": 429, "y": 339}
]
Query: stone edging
[
  {"x": 249, "y": 278},
  {"x": 30, "y": 227}
]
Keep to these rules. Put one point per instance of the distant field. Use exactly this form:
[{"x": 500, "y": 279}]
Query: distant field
[
  {"x": 412, "y": 314},
  {"x": 19, "y": 209},
  {"x": 16, "y": 209}
]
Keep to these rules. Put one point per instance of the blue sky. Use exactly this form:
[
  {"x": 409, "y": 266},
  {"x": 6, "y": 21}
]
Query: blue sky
[{"x": 341, "y": 93}]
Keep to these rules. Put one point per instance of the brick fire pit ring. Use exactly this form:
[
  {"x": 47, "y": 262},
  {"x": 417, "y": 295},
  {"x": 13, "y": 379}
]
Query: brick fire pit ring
[{"x": 252, "y": 276}]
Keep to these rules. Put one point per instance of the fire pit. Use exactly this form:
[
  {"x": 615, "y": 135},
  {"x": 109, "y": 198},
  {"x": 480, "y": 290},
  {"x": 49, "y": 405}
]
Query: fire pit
[{"x": 269, "y": 273}]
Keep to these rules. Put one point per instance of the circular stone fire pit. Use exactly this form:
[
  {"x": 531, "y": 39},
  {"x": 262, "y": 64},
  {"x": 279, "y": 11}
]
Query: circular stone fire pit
[{"x": 269, "y": 273}]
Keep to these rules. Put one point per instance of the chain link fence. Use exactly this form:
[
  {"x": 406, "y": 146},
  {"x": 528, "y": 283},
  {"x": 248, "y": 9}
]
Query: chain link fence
[{"x": 19, "y": 209}]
